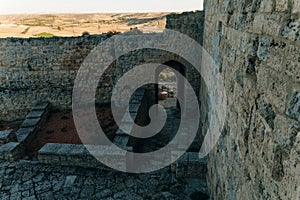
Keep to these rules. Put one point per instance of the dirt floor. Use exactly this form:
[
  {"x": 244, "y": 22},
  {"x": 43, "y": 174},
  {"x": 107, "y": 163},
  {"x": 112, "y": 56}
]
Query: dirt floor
[
  {"x": 9, "y": 125},
  {"x": 60, "y": 128}
]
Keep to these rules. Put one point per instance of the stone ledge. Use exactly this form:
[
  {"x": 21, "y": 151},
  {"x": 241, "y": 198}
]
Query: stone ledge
[
  {"x": 134, "y": 107},
  {"x": 62, "y": 149},
  {"x": 11, "y": 151},
  {"x": 35, "y": 114},
  {"x": 7, "y": 136},
  {"x": 127, "y": 119},
  {"x": 126, "y": 127},
  {"x": 120, "y": 132},
  {"x": 134, "y": 115},
  {"x": 24, "y": 134},
  {"x": 79, "y": 155},
  {"x": 189, "y": 165},
  {"x": 30, "y": 122},
  {"x": 139, "y": 92},
  {"x": 41, "y": 106},
  {"x": 136, "y": 99},
  {"x": 34, "y": 121},
  {"x": 121, "y": 141}
]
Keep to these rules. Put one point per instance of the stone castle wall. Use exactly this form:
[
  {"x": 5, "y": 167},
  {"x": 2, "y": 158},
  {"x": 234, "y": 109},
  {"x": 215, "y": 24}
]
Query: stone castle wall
[
  {"x": 37, "y": 70},
  {"x": 189, "y": 23},
  {"x": 256, "y": 44}
]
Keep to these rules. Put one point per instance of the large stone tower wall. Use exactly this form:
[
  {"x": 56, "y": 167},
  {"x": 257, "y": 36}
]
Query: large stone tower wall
[{"x": 256, "y": 45}]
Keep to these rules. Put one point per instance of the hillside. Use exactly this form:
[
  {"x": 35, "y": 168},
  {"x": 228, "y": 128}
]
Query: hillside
[{"x": 47, "y": 25}]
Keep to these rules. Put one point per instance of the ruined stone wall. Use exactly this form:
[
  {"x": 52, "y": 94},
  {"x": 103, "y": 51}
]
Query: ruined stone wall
[
  {"x": 37, "y": 70},
  {"x": 256, "y": 45},
  {"x": 189, "y": 23},
  {"x": 22, "y": 87}
]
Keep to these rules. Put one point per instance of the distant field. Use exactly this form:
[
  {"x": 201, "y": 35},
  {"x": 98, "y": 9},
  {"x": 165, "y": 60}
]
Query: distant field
[{"x": 47, "y": 25}]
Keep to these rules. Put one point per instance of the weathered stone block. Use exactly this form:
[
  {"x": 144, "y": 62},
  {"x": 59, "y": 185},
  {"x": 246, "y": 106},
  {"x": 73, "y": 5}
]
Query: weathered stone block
[
  {"x": 262, "y": 49},
  {"x": 7, "y": 136},
  {"x": 292, "y": 30},
  {"x": 133, "y": 108},
  {"x": 139, "y": 92},
  {"x": 121, "y": 140},
  {"x": 293, "y": 109},
  {"x": 64, "y": 149},
  {"x": 127, "y": 127},
  {"x": 78, "y": 150},
  {"x": 281, "y": 5},
  {"x": 121, "y": 132},
  {"x": 136, "y": 99},
  {"x": 298, "y": 193},
  {"x": 267, "y": 112},
  {"x": 49, "y": 149},
  {"x": 76, "y": 155},
  {"x": 133, "y": 115},
  {"x": 24, "y": 133},
  {"x": 190, "y": 165},
  {"x": 270, "y": 24},
  {"x": 69, "y": 182},
  {"x": 30, "y": 122},
  {"x": 273, "y": 85},
  {"x": 258, "y": 24},
  {"x": 35, "y": 114},
  {"x": 267, "y": 6},
  {"x": 296, "y": 7},
  {"x": 11, "y": 151},
  {"x": 41, "y": 106}
]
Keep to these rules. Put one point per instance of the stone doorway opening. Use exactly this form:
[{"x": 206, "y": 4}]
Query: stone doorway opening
[
  {"x": 167, "y": 88},
  {"x": 170, "y": 85}
]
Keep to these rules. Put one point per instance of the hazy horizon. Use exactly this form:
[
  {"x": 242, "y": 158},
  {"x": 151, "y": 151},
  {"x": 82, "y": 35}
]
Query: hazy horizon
[
  {"x": 89, "y": 13},
  {"x": 96, "y": 6}
]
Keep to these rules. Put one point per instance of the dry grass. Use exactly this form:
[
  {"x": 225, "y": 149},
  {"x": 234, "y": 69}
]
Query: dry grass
[{"x": 76, "y": 24}]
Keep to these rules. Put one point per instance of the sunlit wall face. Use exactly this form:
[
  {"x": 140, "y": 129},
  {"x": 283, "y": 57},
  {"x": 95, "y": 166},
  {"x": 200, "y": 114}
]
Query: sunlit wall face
[{"x": 97, "y": 6}]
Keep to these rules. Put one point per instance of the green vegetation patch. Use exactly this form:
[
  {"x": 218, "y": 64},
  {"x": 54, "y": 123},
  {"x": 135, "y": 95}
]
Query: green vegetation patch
[{"x": 44, "y": 35}]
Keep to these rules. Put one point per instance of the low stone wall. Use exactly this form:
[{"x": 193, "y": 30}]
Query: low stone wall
[
  {"x": 7, "y": 136},
  {"x": 137, "y": 115},
  {"x": 33, "y": 123},
  {"x": 189, "y": 23},
  {"x": 71, "y": 155},
  {"x": 12, "y": 151},
  {"x": 37, "y": 69},
  {"x": 78, "y": 155},
  {"x": 190, "y": 166}
]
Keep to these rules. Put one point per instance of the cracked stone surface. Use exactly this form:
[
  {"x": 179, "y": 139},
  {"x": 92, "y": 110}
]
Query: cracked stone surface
[{"x": 32, "y": 180}]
